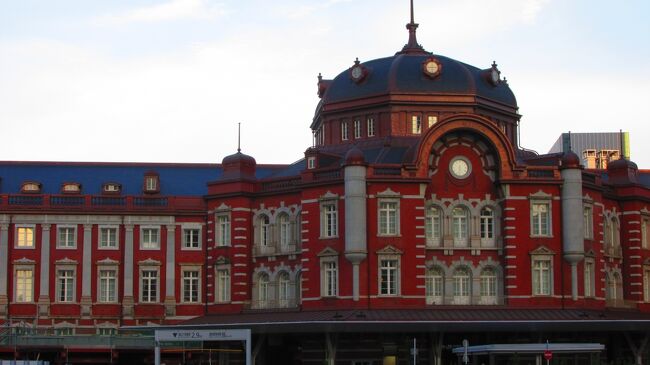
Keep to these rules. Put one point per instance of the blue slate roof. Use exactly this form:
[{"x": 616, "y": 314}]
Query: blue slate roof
[
  {"x": 402, "y": 73},
  {"x": 175, "y": 179}
]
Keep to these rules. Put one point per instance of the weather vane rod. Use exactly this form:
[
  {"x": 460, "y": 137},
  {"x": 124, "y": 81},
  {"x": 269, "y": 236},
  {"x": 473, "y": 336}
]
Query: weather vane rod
[
  {"x": 239, "y": 137},
  {"x": 412, "y": 17}
]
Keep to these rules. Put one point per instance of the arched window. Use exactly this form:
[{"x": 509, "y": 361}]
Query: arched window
[
  {"x": 283, "y": 290},
  {"x": 434, "y": 286},
  {"x": 614, "y": 289},
  {"x": 462, "y": 288},
  {"x": 488, "y": 286},
  {"x": 487, "y": 227},
  {"x": 459, "y": 221},
  {"x": 432, "y": 225},
  {"x": 607, "y": 234},
  {"x": 265, "y": 231},
  {"x": 263, "y": 291},
  {"x": 285, "y": 231}
]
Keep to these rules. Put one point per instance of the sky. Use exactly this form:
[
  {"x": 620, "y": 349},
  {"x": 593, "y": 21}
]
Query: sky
[{"x": 168, "y": 80}]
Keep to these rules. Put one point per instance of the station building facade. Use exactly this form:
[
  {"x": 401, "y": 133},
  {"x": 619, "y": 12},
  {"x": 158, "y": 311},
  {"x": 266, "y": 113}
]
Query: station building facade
[{"x": 415, "y": 211}]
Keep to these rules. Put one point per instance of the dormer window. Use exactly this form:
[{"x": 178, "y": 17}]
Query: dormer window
[
  {"x": 311, "y": 163},
  {"x": 151, "y": 183},
  {"x": 71, "y": 188},
  {"x": 111, "y": 188},
  {"x": 416, "y": 124},
  {"x": 31, "y": 187}
]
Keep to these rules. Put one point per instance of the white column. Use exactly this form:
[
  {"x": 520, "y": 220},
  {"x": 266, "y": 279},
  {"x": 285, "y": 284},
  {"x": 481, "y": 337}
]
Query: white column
[
  {"x": 44, "y": 293},
  {"x": 86, "y": 281},
  {"x": 127, "y": 301},
  {"x": 170, "y": 270},
  {"x": 4, "y": 264}
]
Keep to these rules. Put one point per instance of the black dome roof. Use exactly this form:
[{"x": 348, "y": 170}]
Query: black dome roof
[{"x": 402, "y": 73}]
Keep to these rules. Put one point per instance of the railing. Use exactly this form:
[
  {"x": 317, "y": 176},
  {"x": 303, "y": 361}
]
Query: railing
[
  {"x": 280, "y": 184},
  {"x": 388, "y": 171},
  {"x": 91, "y": 202},
  {"x": 25, "y": 200},
  {"x": 108, "y": 201},
  {"x": 67, "y": 200},
  {"x": 328, "y": 175},
  {"x": 117, "y": 341},
  {"x": 149, "y": 202},
  {"x": 545, "y": 174}
]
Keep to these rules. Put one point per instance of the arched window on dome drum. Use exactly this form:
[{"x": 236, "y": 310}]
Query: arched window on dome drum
[
  {"x": 434, "y": 286},
  {"x": 263, "y": 291},
  {"x": 460, "y": 228},
  {"x": 357, "y": 129},
  {"x": 488, "y": 282},
  {"x": 462, "y": 289},
  {"x": 344, "y": 131},
  {"x": 487, "y": 227},
  {"x": 285, "y": 231},
  {"x": 370, "y": 127},
  {"x": 283, "y": 290},
  {"x": 265, "y": 231},
  {"x": 432, "y": 226}
]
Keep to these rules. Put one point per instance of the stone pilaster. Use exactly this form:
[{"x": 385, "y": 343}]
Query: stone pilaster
[
  {"x": 86, "y": 267},
  {"x": 170, "y": 269},
  {"x": 44, "y": 293},
  {"x": 127, "y": 301},
  {"x": 4, "y": 264}
]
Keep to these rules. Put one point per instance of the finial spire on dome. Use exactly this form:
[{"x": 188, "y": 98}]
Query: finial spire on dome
[
  {"x": 412, "y": 46},
  {"x": 239, "y": 137}
]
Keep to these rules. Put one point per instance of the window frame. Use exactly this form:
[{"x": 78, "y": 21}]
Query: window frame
[
  {"x": 384, "y": 229},
  {"x": 462, "y": 285},
  {"x": 141, "y": 297},
  {"x": 538, "y": 222},
  {"x": 588, "y": 221},
  {"x": 145, "y": 246},
  {"x": 285, "y": 236},
  {"x": 100, "y": 230},
  {"x": 25, "y": 268},
  {"x": 370, "y": 126},
  {"x": 487, "y": 224},
  {"x": 430, "y": 225},
  {"x": 344, "y": 131},
  {"x": 59, "y": 242},
  {"x": 646, "y": 283},
  {"x": 416, "y": 124},
  {"x": 284, "y": 286},
  {"x": 433, "y": 282},
  {"x": 193, "y": 296},
  {"x": 66, "y": 288},
  {"x": 538, "y": 274},
  {"x": 460, "y": 224},
  {"x": 432, "y": 120},
  {"x": 589, "y": 278},
  {"x": 100, "y": 290},
  {"x": 329, "y": 268},
  {"x": 151, "y": 183},
  {"x": 199, "y": 235},
  {"x": 221, "y": 295},
  {"x": 389, "y": 275},
  {"x": 329, "y": 218},
  {"x": 357, "y": 128},
  {"x": 223, "y": 230},
  {"x": 263, "y": 301},
  {"x": 17, "y": 238},
  {"x": 645, "y": 230},
  {"x": 489, "y": 286}
]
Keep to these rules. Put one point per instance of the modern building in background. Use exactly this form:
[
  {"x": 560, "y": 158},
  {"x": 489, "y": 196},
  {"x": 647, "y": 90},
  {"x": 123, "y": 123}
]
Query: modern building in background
[
  {"x": 413, "y": 224},
  {"x": 595, "y": 149}
]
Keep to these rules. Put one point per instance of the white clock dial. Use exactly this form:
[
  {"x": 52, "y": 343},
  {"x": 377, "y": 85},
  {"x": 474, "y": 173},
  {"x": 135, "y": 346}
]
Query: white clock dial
[
  {"x": 356, "y": 72},
  {"x": 432, "y": 67},
  {"x": 460, "y": 168},
  {"x": 495, "y": 76}
]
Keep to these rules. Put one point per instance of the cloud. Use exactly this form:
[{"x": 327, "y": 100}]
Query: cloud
[
  {"x": 298, "y": 12},
  {"x": 167, "y": 11}
]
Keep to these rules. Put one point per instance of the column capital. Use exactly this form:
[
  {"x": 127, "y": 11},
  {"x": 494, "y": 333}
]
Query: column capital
[
  {"x": 128, "y": 227},
  {"x": 88, "y": 227},
  {"x": 171, "y": 227},
  {"x": 4, "y": 226},
  {"x": 46, "y": 226}
]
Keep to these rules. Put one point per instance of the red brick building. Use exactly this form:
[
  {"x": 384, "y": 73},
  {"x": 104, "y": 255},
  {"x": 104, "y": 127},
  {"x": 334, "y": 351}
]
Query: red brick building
[{"x": 415, "y": 214}]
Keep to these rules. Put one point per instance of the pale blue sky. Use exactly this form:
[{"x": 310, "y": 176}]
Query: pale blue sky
[{"x": 122, "y": 80}]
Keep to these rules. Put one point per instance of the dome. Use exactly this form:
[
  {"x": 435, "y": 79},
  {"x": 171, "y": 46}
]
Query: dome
[
  {"x": 570, "y": 160},
  {"x": 238, "y": 166},
  {"x": 238, "y": 158},
  {"x": 355, "y": 157},
  {"x": 403, "y": 74}
]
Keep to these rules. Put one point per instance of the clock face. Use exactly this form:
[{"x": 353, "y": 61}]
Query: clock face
[
  {"x": 356, "y": 72},
  {"x": 432, "y": 67},
  {"x": 494, "y": 74},
  {"x": 460, "y": 168}
]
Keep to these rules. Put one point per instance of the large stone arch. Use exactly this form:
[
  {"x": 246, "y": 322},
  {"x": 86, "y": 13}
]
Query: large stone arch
[{"x": 475, "y": 124}]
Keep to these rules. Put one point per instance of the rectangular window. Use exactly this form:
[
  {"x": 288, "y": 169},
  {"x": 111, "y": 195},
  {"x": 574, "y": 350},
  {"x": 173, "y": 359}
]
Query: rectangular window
[
  {"x": 191, "y": 286},
  {"x": 107, "y": 286},
  {"x": 67, "y": 237},
  {"x": 541, "y": 277},
  {"x": 24, "y": 286},
  {"x": 223, "y": 230},
  {"x": 488, "y": 286},
  {"x": 589, "y": 279},
  {"x": 311, "y": 163},
  {"x": 388, "y": 277},
  {"x": 107, "y": 331},
  {"x": 370, "y": 127},
  {"x": 108, "y": 237},
  {"x": 150, "y": 239},
  {"x": 25, "y": 237},
  {"x": 149, "y": 286},
  {"x": 357, "y": 129},
  {"x": 191, "y": 238},
  {"x": 344, "y": 131},
  {"x": 64, "y": 331},
  {"x": 65, "y": 285},
  {"x": 416, "y": 124},
  {"x": 588, "y": 223},
  {"x": 223, "y": 285},
  {"x": 540, "y": 219},
  {"x": 330, "y": 220},
  {"x": 432, "y": 120},
  {"x": 151, "y": 183},
  {"x": 331, "y": 279},
  {"x": 388, "y": 218},
  {"x": 432, "y": 227}
]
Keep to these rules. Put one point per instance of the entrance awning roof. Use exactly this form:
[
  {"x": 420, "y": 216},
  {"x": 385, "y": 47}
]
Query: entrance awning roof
[{"x": 530, "y": 348}]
